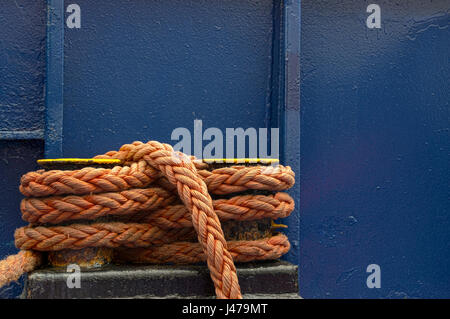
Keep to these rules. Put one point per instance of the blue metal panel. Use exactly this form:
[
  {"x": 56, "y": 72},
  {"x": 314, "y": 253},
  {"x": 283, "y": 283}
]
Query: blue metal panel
[
  {"x": 22, "y": 66},
  {"x": 54, "y": 79},
  {"x": 22, "y": 40},
  {"x": 375, "y": 149},
  {"x": 16, "y": 158},
  {"x": 289, "y": 121},
  {"x": 136, "y": 70}
]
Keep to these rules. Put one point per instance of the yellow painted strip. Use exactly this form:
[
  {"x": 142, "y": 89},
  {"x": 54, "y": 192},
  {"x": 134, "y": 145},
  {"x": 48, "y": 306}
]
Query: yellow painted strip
[
  {"x": 278, "y": 225},
  {"x": 79, "y": 161},
  {"x": 241, "y": 160},
  {"x": 117, "y": 161}
]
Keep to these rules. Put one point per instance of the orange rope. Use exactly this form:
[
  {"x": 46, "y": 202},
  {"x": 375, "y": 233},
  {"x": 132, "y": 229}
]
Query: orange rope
[
  {"x": 244, "y": 207},
  {"x": 78, "y": 236},
  {"x": 58, "y": 209},
  {"x": 14, "y": 266},
  {"x": 188, "y": 253},
  {"x": 87, "y": 180},
  {"x": 124, "y": 191},
  {"x": 90, "y": 180}
]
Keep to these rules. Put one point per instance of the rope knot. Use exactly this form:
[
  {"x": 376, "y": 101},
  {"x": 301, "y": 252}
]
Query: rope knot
[{"x": 150, "y": 174}]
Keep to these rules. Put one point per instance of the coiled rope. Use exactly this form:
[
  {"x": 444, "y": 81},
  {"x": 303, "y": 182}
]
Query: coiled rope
[{"x": 154, "y": 224}]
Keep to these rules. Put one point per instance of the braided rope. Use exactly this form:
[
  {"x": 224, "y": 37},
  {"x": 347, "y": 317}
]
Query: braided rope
[
  {"x": 188, "y": 253},
  {"x": 99, "y": 180},
  {"x": 124, "y": 191},
  {"x": 124, "y": 152},
  {"x": 87, "y": 180},
  {"x": 14, "y": 266},
  {"x": 111, "y": 235},
  {"x": 58, "y": 209},
  {"x": 194, "y": 194},
  {"x": 246, "y": 207},
  {"x": 235, "y": 179}
]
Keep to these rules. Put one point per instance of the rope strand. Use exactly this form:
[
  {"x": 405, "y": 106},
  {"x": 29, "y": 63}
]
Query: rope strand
[
  {"x": 15, "y": 266},
  {"x": 111, "y": 235},
  {"x": 138, "y": 203},
  {"x": 90, "y": 180},
  {"x": 190, "y": 253}
]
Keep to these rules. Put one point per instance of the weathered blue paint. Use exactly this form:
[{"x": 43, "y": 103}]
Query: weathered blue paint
[
  {"x": 137, "y": 70},
  {"x": 16, "y": 158},
  {"x": 54, "y": 84},
  {"x": 22, "y": 135},
  {"x": 22, "y": 40},
  {"x": 375, "y": 149},
  {"x": 289, "y": 121},
  {"x": 22, "y": 73}
]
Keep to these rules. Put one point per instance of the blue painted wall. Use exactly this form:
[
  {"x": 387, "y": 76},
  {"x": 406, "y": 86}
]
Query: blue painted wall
[
  {"x": 374, "y": 130},
  {"x": 375, "y": 149},
  {"x": 22, "y": 68},
  {"x": 138, "y": 69},
  {"x": 22, "y": 63},
  {"x": 16, "y": 158}
]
